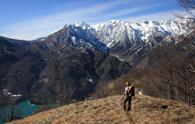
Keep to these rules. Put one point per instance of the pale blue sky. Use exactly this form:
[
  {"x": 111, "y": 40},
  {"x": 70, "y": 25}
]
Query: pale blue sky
[{"x": 31, "y": 19}]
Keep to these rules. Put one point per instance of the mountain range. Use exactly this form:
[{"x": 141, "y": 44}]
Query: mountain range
[
  {"x": 123, "y": 39},
  {"x": 69, "y": 64}
]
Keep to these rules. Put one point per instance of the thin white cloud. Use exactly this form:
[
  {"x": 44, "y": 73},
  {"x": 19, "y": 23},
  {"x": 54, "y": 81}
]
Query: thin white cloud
[
  {"x": 43, "y": 26},
  {"x": 133, "y": 10},
  {"x": 160, "y": 16},
  {"x": 124, "y": 12}
]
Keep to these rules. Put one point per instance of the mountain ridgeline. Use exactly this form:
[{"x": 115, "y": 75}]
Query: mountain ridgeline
[{"x": 69, "y": 64}]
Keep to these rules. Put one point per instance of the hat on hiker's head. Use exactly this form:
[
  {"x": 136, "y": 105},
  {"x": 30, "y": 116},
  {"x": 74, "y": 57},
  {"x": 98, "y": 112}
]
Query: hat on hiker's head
[{"x": 128, "y": 83}]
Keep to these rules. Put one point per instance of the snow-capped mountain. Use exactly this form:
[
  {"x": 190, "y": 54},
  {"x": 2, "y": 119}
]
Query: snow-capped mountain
[
  {"x": 82, "y": 34},
  {"x": 122, "y": 38},
  {"x": 122, "y": 34},
  {"x": 113, "y": 32},
  {"x": 79, "y": 35}
]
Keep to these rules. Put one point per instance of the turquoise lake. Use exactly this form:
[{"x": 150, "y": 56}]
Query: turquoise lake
[{"x": 21, "y": 110}]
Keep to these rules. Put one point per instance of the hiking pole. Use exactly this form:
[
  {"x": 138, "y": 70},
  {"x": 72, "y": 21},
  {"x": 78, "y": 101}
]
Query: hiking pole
[{"x": 122, "y": 98}]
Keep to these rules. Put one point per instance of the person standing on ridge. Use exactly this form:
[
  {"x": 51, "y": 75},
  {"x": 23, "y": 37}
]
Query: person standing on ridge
[{"x": 128, "y": 94}]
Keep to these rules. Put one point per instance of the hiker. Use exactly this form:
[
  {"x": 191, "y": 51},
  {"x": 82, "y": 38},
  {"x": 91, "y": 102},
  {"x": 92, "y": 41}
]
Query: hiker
[{"x": 127, "y": 97}]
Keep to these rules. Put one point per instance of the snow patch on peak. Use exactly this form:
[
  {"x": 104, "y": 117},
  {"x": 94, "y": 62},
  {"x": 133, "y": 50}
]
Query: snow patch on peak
[
  {"x": 83, "y": 25},
  {"x": 83, "y": 35},
  {"x": 127, "y": 34},
  {"x": 113, "y": 32}
]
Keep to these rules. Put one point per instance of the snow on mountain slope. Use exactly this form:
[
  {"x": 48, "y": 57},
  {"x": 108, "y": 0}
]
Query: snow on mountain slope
[
  {"x": 113, "y": 32},
  {"x": 82, "y": 32},
  {"x": 121, "y": 35}
]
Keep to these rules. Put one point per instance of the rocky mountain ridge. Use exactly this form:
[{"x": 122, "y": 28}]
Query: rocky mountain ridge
[{"x": 128, "y": 40}]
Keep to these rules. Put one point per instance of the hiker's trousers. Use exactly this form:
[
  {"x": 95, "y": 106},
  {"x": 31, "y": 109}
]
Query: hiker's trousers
[{"x": 127, "y": 103}]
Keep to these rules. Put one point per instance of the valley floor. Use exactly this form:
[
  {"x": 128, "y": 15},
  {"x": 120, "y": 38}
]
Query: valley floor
[{"x": 145, "y": 110}]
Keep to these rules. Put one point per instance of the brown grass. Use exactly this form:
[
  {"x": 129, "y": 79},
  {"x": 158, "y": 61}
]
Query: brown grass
[{"x": 145, "y": 110}]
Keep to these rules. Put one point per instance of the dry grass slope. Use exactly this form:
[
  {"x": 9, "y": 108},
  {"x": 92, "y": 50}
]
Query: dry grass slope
[{"x": 145, "y": 110}]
